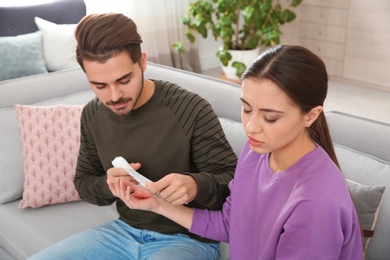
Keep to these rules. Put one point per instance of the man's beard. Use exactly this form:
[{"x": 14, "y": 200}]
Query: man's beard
[{"x": 123, "y": 100}]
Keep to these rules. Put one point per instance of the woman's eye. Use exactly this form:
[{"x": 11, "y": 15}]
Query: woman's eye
[
  {"x": 245, "y": 111},
  {"x": 272, "y": 120}
]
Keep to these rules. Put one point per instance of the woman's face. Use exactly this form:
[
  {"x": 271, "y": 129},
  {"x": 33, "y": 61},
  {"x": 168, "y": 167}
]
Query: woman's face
[{"x": 271, "y": 121}]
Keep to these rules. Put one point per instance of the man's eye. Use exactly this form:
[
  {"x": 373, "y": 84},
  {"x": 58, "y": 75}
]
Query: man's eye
[
  {"x": 100, "y": 86},
  {"x": 124, "y": 82}
]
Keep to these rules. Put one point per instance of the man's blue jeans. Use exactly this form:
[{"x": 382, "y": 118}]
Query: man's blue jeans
[{"x": 117, "y": 240}]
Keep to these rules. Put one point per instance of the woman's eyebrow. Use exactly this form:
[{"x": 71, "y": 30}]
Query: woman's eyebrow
[
  {"x": 269, "y": 110},
  {"x": 244, "y": 101}
]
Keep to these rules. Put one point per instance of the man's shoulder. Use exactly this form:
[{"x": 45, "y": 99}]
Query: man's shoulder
[
  {"x": 91, "y": 108},
  {"x": 172, "y": 91}
]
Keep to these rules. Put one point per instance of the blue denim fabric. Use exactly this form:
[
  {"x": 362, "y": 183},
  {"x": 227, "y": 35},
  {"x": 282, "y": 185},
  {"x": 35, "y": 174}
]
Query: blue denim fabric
[{"x": 117, "y": 240}]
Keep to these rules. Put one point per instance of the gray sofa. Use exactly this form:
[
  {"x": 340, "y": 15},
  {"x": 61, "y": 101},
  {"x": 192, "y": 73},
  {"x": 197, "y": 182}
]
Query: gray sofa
[
  {"x": 363, "y": 147},
  {"x": 28, "y": 49}
]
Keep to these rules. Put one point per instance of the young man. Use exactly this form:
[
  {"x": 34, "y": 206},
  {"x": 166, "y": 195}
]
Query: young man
[{"x": 170, "y": 135}]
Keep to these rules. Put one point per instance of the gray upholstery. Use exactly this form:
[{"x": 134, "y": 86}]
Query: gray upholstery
[
  {"x": 26, "y": 231},
  {"x": 16, "y": 20},
  {"x": 363, "y": 150}
]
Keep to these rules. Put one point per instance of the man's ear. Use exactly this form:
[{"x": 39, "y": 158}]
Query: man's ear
[
  {"x": 313, "y": 115},
  {"x": 143, "y": 61}
]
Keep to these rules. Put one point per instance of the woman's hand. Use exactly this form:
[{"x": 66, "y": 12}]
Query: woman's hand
[
  {"x": 115, "y": 174},
  {"x": 137, "y": 197}
]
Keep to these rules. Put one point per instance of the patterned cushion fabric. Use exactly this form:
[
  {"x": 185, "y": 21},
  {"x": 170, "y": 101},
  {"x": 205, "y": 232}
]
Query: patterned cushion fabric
[{"x": 50, "y": 138}]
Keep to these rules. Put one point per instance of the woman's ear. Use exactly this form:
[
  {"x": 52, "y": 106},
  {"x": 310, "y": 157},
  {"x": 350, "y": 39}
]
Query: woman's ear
[{"x": 313, "y": 115}]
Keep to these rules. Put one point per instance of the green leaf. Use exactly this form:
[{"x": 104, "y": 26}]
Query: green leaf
[
  {"x": 295, "y": 3},
  {"x": 239, "y": 24},
  {"x": 179, "y": 47},
  {"x": 240, "y": 68},
  {"x": 186, "y": 20},
  {"x": 224, "y": 56},
  {"x": 289, "y": 15},
  {"x": 190, "y": 36}
]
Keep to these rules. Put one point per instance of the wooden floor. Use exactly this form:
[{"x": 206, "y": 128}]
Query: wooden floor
[{"x": 352, "y": 99}]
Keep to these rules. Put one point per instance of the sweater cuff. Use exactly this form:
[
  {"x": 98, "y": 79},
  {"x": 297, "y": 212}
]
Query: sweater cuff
[
  {"x": 105, "y": 190},
  {"x": 203, "y": 187},
  {"x": 198, "y": 218}
]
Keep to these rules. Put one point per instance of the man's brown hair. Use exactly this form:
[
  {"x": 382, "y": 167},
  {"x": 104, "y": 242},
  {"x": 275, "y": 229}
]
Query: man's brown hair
[{"x": 103, "y": 36}]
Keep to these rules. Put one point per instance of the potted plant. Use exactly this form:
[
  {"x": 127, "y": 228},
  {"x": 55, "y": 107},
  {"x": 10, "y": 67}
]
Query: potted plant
[{"x": 240, "y": 25}]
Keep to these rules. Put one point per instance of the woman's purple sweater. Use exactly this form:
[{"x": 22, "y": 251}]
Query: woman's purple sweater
[{"x": 304, "y": 212}]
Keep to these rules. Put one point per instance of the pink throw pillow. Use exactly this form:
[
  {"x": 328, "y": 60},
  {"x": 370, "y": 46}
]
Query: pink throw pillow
[{"x": 50, "y": 138}]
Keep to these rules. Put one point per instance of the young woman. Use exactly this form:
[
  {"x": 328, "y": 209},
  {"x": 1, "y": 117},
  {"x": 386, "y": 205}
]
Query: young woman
[{"x": 288, "y": 200}]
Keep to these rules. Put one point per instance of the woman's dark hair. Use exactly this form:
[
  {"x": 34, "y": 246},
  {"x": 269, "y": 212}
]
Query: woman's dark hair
[
  {"x": 302, "y": 76},
  {"x": 102, "y": 36}
]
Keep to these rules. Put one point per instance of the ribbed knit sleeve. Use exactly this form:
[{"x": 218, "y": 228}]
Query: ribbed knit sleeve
[
  {"x": 90, "y": 178},
  {"x": 211, "y": 154}
]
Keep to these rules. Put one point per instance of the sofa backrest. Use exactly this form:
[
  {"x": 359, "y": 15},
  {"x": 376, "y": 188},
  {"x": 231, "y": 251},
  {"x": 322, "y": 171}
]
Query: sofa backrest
[
  {"x": 19, "y": 19},
  {"x": 363, "y": 150}
]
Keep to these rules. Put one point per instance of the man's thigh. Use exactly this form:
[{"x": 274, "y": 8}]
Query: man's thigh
[
  {"x": 179, "y": 247},
  {"x": 117, "y": 240},
  {"x": 110, "y": 241}
]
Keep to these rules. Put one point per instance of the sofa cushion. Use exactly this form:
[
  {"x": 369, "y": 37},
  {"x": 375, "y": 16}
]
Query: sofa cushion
[
  {"x": 11, "y": 168},
  {"x": 21, "y": 56},
  {"x": 50, "y": 138},
  {"x": 59, "y": 44},
  {"x": 27, "y": 231},
  {"x": 235, "y": 134},
  {"x": 372, "y": 171},
  {"x": 367, "y": 200},
  {"x": 362, "y": 148}
]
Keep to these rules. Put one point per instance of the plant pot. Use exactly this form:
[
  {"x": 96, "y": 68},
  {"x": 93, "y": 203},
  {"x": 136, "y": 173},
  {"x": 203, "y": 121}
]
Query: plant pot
[{"x": 246, "y": 57}]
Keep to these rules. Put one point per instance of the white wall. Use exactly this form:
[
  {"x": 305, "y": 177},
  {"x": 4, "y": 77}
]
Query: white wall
[
  {"x": 207, "y": 53},
  {"x": 207, "y": 47}
]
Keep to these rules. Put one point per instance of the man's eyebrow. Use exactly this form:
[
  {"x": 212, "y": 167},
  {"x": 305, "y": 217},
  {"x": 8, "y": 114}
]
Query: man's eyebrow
[
  {"x": 269, "y": 110},
  {"x": 103, "y": 83},
  {"x": 125, "y": 76}
]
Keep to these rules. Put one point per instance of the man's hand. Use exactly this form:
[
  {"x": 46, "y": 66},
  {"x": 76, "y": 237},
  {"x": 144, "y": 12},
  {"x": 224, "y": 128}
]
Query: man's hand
[
  {"x": 178, "y": 189},
  {"x": 115, "y": 174}
]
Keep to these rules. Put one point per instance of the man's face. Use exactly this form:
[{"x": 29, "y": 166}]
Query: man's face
[{"x": 117, "y": 82}]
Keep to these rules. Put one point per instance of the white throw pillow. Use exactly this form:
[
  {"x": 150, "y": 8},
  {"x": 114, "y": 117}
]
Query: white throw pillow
[{"x": 59, "y": 44}]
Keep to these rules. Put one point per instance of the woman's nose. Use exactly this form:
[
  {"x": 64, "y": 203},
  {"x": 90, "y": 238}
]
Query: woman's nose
[{"x": 253, "y": 125}]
